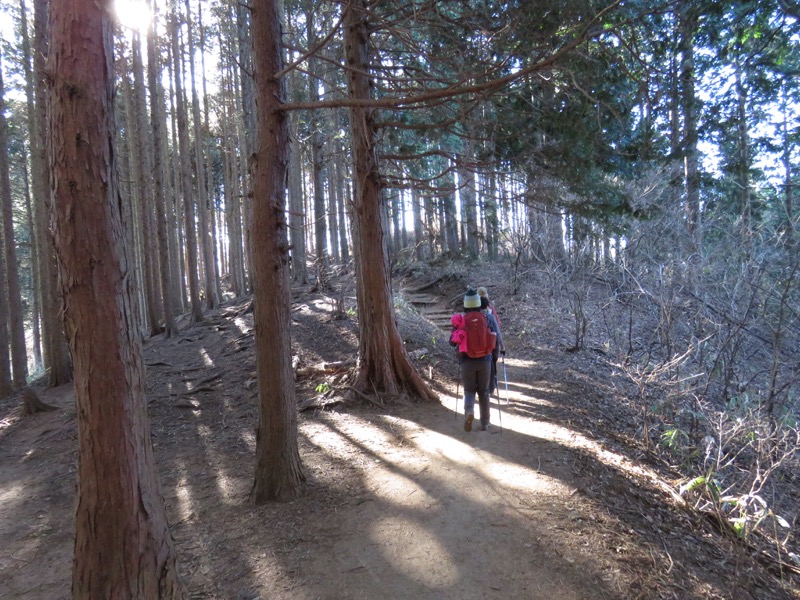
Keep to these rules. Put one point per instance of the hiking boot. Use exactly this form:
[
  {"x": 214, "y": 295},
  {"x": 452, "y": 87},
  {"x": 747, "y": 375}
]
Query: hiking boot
[
  {"x": 485, "y": 426},
  {"x": 468, "y": 422}
]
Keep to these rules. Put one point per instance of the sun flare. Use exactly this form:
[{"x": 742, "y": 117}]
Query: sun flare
[{"x": 133, "y": 14}]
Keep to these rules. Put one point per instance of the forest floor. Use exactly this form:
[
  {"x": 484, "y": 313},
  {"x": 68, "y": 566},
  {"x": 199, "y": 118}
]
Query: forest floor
[{"x": 558, "y": 501}]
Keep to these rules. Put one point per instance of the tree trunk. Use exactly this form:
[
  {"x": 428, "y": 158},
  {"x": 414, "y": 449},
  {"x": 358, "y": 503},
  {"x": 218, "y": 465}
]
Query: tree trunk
[
  {"x": 688, "y": 25},
  {"x": 6, "y": 388},
  {"x": 384, "y": 365},
  {"x": 19, "y": 354},
  {"x": 123, "y": 547},
  {"x": 186, "y": 179},
  {"x": 789, "y": 185},
  {"x": 204, "y": 227},
  {"x": 36, "y": 312},
  {"x": 743, "y": 157},
  {"x": 172, "y": 185},
  {"x": 340, "y": 169},
  {"x": 157, "y": 126},
  {"x": 56, "y": 356},
  {"x": 297, "y": 216},
  {"x": 151, "y": 247},
  {"x": 450, "y": 225},
  {"x": 469, "y": 201},
  {"x": 419, "y": 233},
  {"x": 140, "y": 200},
  {"x": 279, "y": 474},
  {"x": 247, "y": 124},
  {"x": 33, "y": 134},
  {"x": 492, "y": 225},
  {"x": 320, "y": 240}
]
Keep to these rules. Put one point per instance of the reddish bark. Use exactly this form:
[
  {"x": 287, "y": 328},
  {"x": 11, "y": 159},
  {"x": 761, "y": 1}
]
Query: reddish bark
[
  {"x": 123, "y": 548},
  {"x": 384, "y": 365},
  {"x": 279, "y": 474}
]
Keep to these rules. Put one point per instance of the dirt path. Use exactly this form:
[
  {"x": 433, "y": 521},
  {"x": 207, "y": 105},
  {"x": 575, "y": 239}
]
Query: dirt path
[{"x": 402, "y": 503}]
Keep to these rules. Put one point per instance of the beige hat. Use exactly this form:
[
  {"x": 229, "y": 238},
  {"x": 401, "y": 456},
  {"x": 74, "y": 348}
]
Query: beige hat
[
  {"x": 471, "y": 299},
  {"x": 482, "y": 292}
]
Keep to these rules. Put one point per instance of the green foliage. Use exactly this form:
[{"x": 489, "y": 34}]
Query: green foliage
[{"x": 674, "y": 439}]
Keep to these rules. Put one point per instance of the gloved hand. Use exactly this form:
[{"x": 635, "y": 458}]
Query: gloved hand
[{"x": 502, "y": 352}]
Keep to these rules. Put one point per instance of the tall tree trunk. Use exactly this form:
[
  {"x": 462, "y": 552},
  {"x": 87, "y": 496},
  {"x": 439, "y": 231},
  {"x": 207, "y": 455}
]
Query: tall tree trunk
[
  {"x": 743, "y": 157},
  {"x": 430, "y": 219},
  {"x": 297, "y": 216},
  {"x": 339, "y": 169},
  {"x": 156, "y": 130},
  {"x": 140, "y": 201},
  {"x": 34, "y": 136},
  {"x": 469, "y": 201},
  {"x": 396, "y": 235},
  {"x": 419, "y": 233},
  {"x": 36, "y": 312},
  {"x": 56, "y": 355},
  {"x": 6, "y": 387},
  {"x": 688, "y": 27},
  {"x": 204, "y": 227},
  {"x": 19, "y": 354},
  {"x": 383, "y": 363},
  {"x": 215, "y": 219},
  {"x": 334, "y": 183},
  {"x": 320, "y": 240},
  {"x": 186, "y": 179},
  {"x": 492, "y": 225},
  {"x": 247, "y": 124},
  {"x": 279, "y": 474},
  {"x": 123, "y": 547},
  {"x": 172, "y": 186},
  {"x": 450, "y": 218},
  {"x": 789, "y": 185}
]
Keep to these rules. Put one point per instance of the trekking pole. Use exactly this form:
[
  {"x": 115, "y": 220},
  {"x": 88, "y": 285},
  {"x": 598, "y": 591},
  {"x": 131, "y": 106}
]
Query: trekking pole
[
  {"x": 455, "y": 408},
  {"x": 505, "y": 377},
  {"x": 499, "y": 409}
]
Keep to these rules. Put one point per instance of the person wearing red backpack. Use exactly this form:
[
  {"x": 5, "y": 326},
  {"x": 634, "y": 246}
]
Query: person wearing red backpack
[
  {"x": 488, "y": 309},
  {"x": 482, "y": 337}
]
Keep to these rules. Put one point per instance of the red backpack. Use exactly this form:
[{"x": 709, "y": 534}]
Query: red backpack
[{"x": 480, "y": 339}]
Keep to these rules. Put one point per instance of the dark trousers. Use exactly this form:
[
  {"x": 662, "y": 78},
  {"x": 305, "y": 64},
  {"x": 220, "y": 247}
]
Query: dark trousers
[{"x": 476, "y": 374}]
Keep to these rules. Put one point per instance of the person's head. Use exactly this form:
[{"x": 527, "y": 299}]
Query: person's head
[
  {"x": 483, "y": 292},
  {"x": 484, "y": 303},
  {"x": 471, "y": 300}
]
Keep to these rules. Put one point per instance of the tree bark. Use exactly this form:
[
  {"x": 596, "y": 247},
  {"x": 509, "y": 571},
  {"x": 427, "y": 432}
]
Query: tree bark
[
  {"x": 297, "y": 215},
  {"x": 320, "y": 227},
  {"x": 19, "y": 354},
  {"x": 688, "y": 27},
  {"x": 383, "y": 363},
  {"x": 56, "y": 356},
  {"x": 279, "y": 474},
  {"x": 123, "y": 548},
  {"x": 469, "y": 200},
  {"x": 6, "y": 387},
  {"x": 156, "y": 130},
  {"x": 139, "y": 211},
  {"x": 33, "y": 135},
  {"x": 186, "y": 179},
  {"x": 204, "y": 227}
]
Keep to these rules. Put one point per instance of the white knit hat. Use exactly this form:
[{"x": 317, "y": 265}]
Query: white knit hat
[{"x": 471, "y": 299}]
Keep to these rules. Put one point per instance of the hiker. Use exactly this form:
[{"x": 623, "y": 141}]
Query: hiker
[
  {"x": 484, "y": 293},
  {"x": 485, "y": 307},
  {"x": 482, "y": 337}
]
